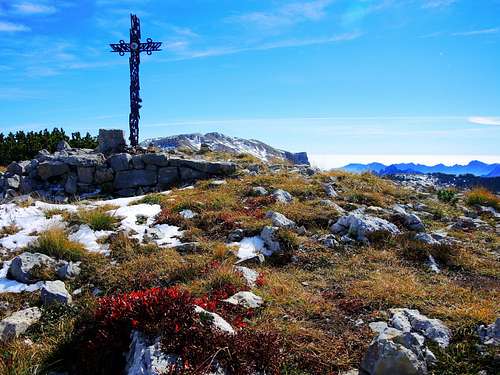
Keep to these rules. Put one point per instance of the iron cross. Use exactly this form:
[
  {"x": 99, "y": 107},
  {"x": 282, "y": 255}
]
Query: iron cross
[{"x": 135, "y": 47}]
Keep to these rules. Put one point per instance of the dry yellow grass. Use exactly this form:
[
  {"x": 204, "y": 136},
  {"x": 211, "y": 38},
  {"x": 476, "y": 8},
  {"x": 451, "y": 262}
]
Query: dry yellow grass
[{"x": 483, "y": 197}]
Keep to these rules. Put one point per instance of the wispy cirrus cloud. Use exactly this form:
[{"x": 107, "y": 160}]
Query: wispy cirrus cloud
[
  {"x": 29, "y": 8},
  {"x": 12, "y": 27},
  {"x": 494, "y": 30},
  {"x": 285, "y": 16},
  {"x": 186, "y": 53},
  {"x": 480, "y": 120},
  {"x": 433, "y": 4}
]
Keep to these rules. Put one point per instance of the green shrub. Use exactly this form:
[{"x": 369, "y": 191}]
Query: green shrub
[{"x": 447, "y": 195}]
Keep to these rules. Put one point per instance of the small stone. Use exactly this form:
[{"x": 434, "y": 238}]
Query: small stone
[
  {"x": 282, "y": 196},
  {"x": 18, "y": 323},
  {"x": 280, "y": 220},
  {"x": 236, "y": 235},
  {"x": 249, "y": 275},
  {"x": 55, "y": 292},
  {"x": 259, "y": 191},
  {"x": 188, "y": 214},
  {"x": 245, "y": 299}
]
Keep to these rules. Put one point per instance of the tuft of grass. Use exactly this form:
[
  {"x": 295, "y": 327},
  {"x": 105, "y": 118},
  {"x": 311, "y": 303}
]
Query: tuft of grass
[
  {"x": 55, "y": 243},
  {"x": 96, "y": 218},
  {"x": 66, "y": 215},
  {"x": 154, "y": 198},
  {"x": 9, "y": 230},
  {"x": 483, "y": 197}
]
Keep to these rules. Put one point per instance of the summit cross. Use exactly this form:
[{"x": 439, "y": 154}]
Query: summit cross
[{"x": 135, "y": 47}]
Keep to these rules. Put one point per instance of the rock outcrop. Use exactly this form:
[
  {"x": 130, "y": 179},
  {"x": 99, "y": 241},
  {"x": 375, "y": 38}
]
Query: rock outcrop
[
  {"x": 358, "y": 226},
  {"x": 399, "y": 347}
]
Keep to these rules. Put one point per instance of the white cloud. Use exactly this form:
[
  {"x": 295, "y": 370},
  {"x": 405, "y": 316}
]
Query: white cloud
[
  {"x": 286, "y": 43},
  {"x": 12, "y": 27},
  {"x": 484, "y": 120},
  {"x": 495, "y": 30},
  {"x": 31, "y": 8},
  {"x": 430, "y": 4},
  {"x": 285, "y": 16}
]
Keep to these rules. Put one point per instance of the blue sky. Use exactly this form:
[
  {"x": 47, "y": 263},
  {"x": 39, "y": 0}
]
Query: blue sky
[{"x": 400, "y": 78}]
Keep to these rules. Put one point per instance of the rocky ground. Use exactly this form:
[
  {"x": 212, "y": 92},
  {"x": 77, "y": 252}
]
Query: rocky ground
[{"x": 278, "y": 269}]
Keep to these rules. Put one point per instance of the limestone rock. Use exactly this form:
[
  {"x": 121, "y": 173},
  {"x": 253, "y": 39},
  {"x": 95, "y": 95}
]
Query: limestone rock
[
  {"x": 217, "y": 320},
  {"x": 268, "y": 235},
  {"x": 55, "y": 292},
  {"x": 86, "y": 174},
  {"x": 48, "y": 169},
  {"x": 18, "y": 168},
  {"x": 160, "y": 160},
  {"x": 21, "y": 267},
  {"x": 432, "y": 329},
  {"x": 280, "y": 220},
  {"x": 259, "y": 191},
  {"x": 146, "y": 358},
  {"x": 411, "y": 221},
  {"x": 282, "y": 196},
  {"x": 119, "y": 162},
  {"x": 167, "y": 176},
  {"x": 71, "y": 185},
  {"x": 103, "y": 175},
  {"x": 18, "y": 323},
  {"x": 359, "y": 225},
  {"x": 134, "y": 178},
  {"x": 249, "y": 275},
  {"x": 490, "y": 335},
  {"x": 245, "y": 299},
  {"x": 330, "y": 190},
  {"x": 394, "y": 352},
  {"x": 111, "y": 141},
  {"x": 62, "y": 145},
  {"x": 69, "y": 270}
]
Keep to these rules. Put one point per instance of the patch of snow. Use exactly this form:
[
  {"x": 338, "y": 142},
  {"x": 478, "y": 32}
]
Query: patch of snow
[
  {"x": 30, "y": 221},
  {"x": 89, "y": 238},
  {"x": 137, "y": 218},
  {"x": 13, "y": 286},
  {"x": 168, "y": 235},
  {"x": 250, "y": 247}
]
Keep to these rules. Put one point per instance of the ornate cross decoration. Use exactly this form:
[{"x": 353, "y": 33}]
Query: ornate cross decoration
[{"x": 135, "y": 47}]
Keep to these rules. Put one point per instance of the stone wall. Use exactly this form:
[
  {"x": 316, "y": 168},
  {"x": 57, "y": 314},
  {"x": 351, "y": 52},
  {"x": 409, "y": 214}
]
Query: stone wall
[{"x": 78, "y": 172}]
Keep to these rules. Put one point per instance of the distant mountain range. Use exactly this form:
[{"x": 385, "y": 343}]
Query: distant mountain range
[
  {"x": 475, "y": 167},
  {"x": 223, "y": 143}
]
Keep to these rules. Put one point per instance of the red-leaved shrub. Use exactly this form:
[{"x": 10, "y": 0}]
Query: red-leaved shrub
[{"x": 100, "y": 343}]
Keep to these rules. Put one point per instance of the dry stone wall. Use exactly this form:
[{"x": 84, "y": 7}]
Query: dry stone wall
[{"x": 79, "y": 172}]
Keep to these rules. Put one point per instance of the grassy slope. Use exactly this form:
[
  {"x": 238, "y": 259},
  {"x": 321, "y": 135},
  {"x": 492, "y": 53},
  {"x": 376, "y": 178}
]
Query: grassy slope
[{"x": 315, "y": 301}]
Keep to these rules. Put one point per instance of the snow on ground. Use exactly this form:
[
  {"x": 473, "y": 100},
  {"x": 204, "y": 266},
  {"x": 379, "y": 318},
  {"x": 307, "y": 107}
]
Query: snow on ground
[
  {"x": 29, "y": 220},
  {"x": 249, "y": 247},
  {"x": 13, "y": 286},
  {"x": 89, "y": 238},
  {"x": 138, "y": 220},
  {"x": 167, "y": 235}
]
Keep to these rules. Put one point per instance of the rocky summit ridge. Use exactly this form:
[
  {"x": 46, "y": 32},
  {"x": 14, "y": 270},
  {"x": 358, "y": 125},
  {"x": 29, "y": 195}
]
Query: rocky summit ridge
[{"x": 223, "y": 143}]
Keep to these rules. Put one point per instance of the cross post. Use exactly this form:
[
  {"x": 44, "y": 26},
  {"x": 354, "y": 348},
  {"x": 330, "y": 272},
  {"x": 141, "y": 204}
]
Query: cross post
[{"x": 135, "y": 47}]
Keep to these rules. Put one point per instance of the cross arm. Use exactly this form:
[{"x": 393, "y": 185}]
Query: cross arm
[
  {"x": 121, "y": 47},
  {"x": 150, "y": 46}
]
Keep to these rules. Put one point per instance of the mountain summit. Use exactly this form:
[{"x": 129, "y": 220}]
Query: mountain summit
[{"x": 223, "y": 143}]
